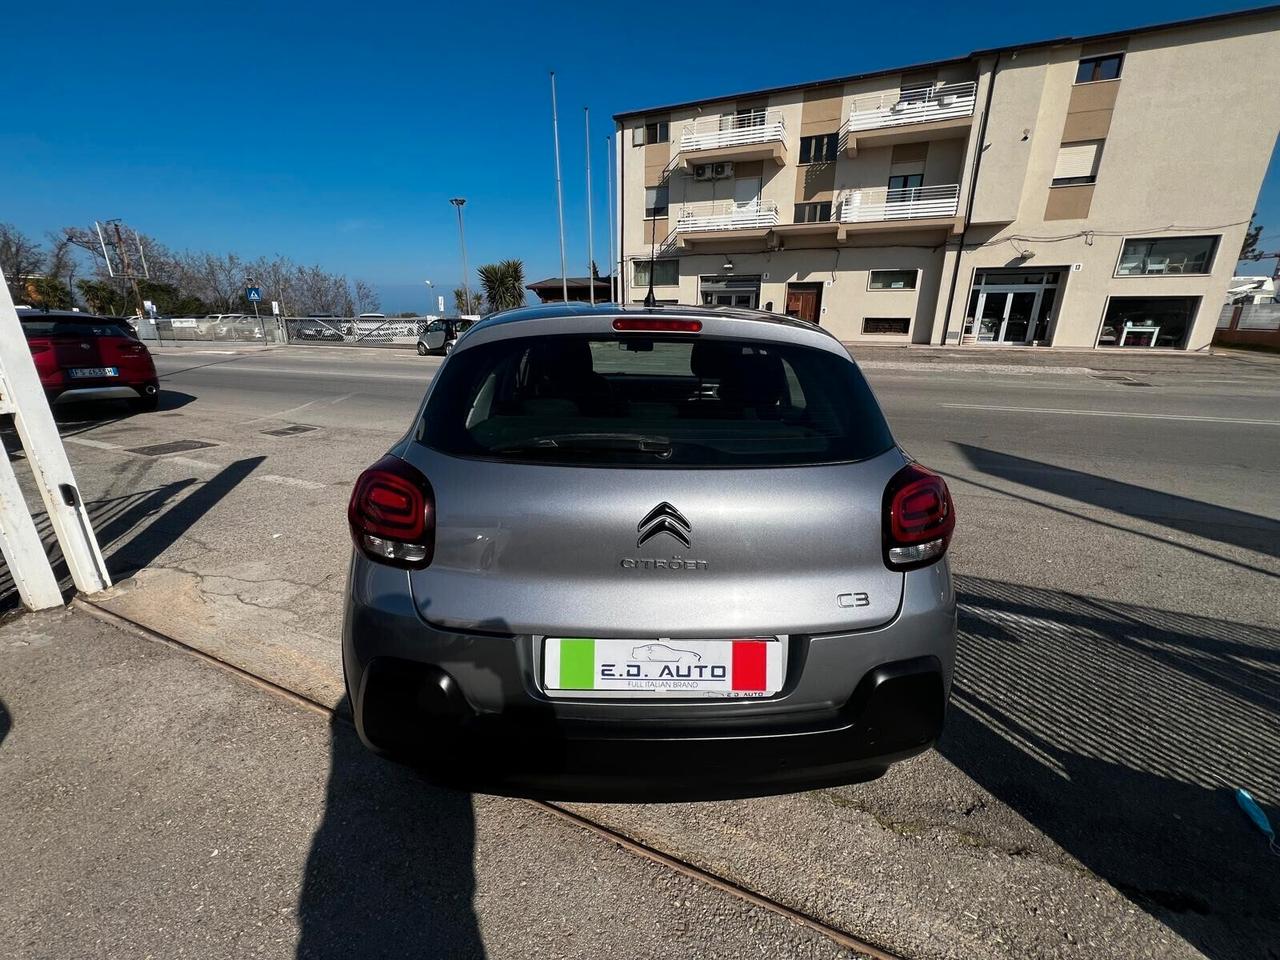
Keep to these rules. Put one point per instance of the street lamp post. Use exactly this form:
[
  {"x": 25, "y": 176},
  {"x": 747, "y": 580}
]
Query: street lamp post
[{"x": 462, "y": 240}]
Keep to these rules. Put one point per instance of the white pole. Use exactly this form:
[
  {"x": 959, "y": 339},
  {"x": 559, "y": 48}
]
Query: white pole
[
  {"x": 613, "y": 290},
  {"x": 555, "y": 136},
  {"x": 20, "y": 543},
  {"x": 591, "y": 242},
  {"x": 615, "y": 164},
  {"x": 21, "y": 391}
]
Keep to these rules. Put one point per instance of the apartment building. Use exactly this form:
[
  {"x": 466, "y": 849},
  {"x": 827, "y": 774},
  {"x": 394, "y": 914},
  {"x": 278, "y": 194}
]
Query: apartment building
[{"x": 1075, "y": 192}]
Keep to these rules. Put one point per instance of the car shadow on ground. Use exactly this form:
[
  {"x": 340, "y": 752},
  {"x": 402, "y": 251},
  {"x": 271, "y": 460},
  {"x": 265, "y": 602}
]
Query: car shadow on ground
[
  {"x": 1107, "y": 726},
  {"x": 1207, "y": 520},
  {"x": 390, "y": 872}
]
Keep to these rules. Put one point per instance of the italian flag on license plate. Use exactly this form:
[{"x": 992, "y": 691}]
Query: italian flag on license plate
[{"x": 750, "y": 667}]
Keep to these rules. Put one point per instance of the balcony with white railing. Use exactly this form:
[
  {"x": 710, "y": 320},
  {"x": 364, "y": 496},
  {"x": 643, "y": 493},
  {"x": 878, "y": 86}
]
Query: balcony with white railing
[
  {"x": 878, "y": 205},
  {"x": 753, "y": 135},
  {"x": 727, "y": 215},
  {"x": 897, "y": 116}
]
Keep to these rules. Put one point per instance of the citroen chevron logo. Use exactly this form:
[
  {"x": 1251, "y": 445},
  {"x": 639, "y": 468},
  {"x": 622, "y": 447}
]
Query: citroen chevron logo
[{"x": 664, "y": 518}]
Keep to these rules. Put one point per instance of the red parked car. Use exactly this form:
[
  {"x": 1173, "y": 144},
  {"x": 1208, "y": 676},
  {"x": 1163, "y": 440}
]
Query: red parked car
[{"x": 83, "y": 357}]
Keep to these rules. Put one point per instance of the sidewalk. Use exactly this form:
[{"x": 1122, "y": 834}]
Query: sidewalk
[
  {"x": 155, "y": 805},
  {"x": 1056, "y": 360}
]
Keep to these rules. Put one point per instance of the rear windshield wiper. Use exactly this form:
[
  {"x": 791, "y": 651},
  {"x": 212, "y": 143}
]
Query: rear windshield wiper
[{"x": 659, "y": 446}]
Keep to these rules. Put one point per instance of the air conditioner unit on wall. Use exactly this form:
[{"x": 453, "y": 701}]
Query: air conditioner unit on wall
[
  {"x": 723, "y": 170},
  {"x": 702, "y": 171}
]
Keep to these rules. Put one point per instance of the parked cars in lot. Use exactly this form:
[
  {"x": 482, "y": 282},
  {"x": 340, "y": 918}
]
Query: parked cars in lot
[
  {"x": 440, "y": 335},
  {"x": 658, "y": 553},
  {"x": 84, "y": 357}
]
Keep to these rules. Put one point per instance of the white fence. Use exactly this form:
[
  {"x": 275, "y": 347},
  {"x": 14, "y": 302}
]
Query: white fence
[
  {"x": 732, "y": 130},
  {"x": 908, "y": 203},
  {"x": 900, "y": 107},
  {"x": 727, "y": 215},
  {"x": 1258, "y": 316}
]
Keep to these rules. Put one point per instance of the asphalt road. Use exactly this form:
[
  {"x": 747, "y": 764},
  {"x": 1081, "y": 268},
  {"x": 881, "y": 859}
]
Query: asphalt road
[{"x": 1116, "y": 557}]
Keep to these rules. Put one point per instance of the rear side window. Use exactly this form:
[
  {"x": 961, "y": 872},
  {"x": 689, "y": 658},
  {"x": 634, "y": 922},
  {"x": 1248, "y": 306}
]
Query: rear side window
[
  {"x": 87, "y": 328},
  {"x": 600, "y": 400}
]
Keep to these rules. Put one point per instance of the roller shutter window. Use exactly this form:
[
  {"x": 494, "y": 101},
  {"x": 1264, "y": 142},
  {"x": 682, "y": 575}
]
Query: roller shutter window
[{"x": 1077, "y": 163}]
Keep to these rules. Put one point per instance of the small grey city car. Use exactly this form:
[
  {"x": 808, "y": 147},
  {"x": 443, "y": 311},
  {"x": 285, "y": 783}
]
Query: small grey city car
[{"x": 644, "y": 554}]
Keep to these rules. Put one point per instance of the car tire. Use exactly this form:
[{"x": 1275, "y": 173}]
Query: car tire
[
  {"x": 422, "y": 349},
  {"x": 145, "y": 404},
  {"x": 448, "y": 347}
]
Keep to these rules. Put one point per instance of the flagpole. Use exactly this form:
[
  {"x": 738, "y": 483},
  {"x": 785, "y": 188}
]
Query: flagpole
[
  {"x": 591, "y": 243},
  {"x": 613, "y": 263},
  {"x": 555, "y": 136}
]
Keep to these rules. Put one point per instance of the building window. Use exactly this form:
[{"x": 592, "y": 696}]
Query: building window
[
  {"x": 900, "y": 326},
  {"x": 666, "y": 273},
  {"x": 1148, "y": 321},
  {"x": 1093, "y": 69},
  {"x": 893, "y": 280},
  {"x": 1158, "y": 256},
  {"x": 906, "y": 181},
  {"x": 817, "y": 212},
  {"x": 656, "y": 132},
  {"x": 655, "y": 202},
  {"x": 1077, "y": 163},
  {"x": 819, "y": 149}
]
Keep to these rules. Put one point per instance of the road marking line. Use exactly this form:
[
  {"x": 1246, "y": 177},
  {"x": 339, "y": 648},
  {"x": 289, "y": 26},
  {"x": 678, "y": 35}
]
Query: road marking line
[
  {"x": 280, "y": 414},
  {"x": 291, "y": 481},
  {"x": 345, "y": 396},
  {"x": 96, "y": 444},
  {"x": 1112, "y": 413},
  {"x": 191, "y": 462}
]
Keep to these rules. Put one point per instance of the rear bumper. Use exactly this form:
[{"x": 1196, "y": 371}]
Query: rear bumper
[
  {"x": 895, "y": 712},
  {"x": 468, "y": 710}
]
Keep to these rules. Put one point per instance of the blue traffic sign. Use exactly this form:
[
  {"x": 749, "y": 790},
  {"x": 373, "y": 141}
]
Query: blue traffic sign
[{"x": 253, "y": 293}]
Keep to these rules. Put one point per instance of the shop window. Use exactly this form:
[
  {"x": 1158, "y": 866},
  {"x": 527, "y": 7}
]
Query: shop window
[
  {"x": 666, "y": 273},
  {"x": 894, "y": 325},
  {"x": 1160, "y": 256},
  {"x": 893, "y": 280},
  {"x": 1148, "y": 321}
]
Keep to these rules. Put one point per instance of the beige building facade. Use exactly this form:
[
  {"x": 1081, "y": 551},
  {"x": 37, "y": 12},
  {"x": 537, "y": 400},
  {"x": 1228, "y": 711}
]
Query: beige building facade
[{"x": 1106, "y": 206}]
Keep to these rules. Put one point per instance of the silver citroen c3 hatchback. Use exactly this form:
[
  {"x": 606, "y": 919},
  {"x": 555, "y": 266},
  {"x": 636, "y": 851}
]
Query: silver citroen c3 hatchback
[{"x": 644, "y": 554}]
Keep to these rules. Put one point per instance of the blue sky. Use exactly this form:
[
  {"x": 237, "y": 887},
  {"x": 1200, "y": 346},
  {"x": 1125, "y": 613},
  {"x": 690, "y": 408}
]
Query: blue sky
[{"x": 336, "y": 133}]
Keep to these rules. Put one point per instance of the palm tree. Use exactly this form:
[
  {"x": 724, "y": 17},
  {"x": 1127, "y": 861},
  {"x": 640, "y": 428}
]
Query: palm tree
[{"x": 503, "y": 284}]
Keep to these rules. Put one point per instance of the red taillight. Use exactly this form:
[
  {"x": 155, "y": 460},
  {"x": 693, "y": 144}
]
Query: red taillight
[
  {"x": 918, "y": 518},
  {"x": 39, "y": 348},
  {"x": 648, "y": 325},
  {"x": 392, "y": 514}
]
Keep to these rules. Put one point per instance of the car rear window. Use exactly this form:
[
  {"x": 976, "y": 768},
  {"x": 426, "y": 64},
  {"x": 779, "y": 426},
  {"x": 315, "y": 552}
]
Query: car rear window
[
  {"x": 599, "y": 400},
  {"x": 86, "y": 328}
]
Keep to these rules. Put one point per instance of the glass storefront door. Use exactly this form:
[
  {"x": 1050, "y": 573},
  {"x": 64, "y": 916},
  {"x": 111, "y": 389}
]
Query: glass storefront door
[{"x": 1011, "y": 307}]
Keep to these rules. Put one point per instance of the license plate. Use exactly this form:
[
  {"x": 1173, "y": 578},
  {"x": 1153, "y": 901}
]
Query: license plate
[
  {"x": 85, "y": 373},
  {"x": 749, "y": 667}
]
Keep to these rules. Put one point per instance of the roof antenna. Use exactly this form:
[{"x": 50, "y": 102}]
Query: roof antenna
[{"x": 649, "y": 299}]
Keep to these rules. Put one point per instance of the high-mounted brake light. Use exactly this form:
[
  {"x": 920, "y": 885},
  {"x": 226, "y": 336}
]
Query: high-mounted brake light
[
  {"x": 392, "y": 514},
  {"x": 646, "y": 325},
  {"x": 919, "y": 518}
]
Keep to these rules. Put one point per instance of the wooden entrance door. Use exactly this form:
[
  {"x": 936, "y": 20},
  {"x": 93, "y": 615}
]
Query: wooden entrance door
[{"x": 803, "y": 300}]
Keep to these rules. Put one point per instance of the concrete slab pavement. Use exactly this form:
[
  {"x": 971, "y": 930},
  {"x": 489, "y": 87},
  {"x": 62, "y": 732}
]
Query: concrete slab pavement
[{"x": 152, "y": 805}]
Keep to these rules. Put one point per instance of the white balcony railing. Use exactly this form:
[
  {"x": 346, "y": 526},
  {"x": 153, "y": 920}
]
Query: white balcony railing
[
  {"x": 902, "y": 107},
  {"x": 909, "y": 203},
  {"x": 733, "y": 130},
  {"x": 727, "y": 215}
]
